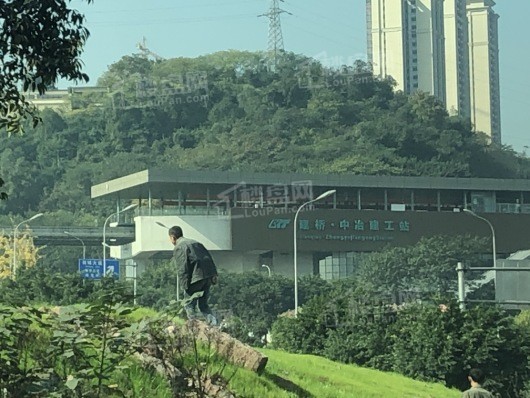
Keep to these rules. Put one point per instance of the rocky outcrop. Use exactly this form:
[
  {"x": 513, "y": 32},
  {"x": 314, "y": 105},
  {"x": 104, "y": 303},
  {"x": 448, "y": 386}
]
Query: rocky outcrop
[
  {"x": 159, "y": 354},
  {"x": 233, "y": 350}
]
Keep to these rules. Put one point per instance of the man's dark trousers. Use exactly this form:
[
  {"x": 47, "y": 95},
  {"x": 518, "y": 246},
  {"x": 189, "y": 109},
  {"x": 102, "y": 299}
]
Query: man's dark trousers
[{"x": 200, "y": 286}]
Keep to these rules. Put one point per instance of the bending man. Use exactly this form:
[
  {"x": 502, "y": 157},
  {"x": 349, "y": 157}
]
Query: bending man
[{"x": 196, "y": 270}]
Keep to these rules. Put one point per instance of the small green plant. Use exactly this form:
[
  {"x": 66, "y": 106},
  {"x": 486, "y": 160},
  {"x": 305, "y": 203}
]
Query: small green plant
[
  {"x": 90, "y": 344},
  {"x": 18, "y": 369},
  {"x": 188, "y": 363}
]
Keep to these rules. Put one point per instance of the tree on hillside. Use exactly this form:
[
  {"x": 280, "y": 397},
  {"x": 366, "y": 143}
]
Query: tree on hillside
[
  {"x": 252, "y": 119},
  {"x": 27, "y": 253},
  {"x": 40, "y": 41}
]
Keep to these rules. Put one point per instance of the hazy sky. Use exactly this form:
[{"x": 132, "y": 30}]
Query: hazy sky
[{"x": 332, "y": 30}]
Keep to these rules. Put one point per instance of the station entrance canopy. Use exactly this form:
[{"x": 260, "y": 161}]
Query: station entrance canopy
[{"x": 246, "y": 189}]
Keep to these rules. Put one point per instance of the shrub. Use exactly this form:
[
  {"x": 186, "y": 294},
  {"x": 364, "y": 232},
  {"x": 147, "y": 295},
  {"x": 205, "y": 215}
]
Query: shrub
[
  {"x": 363, "y": 341},
  {"x": 426, "y": 343},
  {"x": 306, "y": 333},
  {"x": 493, "y": 340}
]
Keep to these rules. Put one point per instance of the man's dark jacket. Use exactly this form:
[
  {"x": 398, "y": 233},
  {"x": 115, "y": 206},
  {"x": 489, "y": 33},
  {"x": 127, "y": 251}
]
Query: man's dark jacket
[{"x": 193, "y": 261}]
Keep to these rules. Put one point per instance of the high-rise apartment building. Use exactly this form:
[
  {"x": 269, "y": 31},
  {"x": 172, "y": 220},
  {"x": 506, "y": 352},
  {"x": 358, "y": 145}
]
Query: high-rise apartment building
[
  {"x": 446, "y": 48},
  {"x": 456, "y": 58},
  {"x": 484, "y": 67},
  {"x": 406, "y": 42}
]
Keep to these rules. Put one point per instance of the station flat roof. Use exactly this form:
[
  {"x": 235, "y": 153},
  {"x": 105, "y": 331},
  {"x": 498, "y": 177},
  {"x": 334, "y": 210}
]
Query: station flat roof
[{"x": 166, "y": 183}]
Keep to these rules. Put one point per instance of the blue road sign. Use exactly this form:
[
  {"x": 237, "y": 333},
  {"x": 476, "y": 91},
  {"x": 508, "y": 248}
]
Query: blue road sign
[{"x": 93, "y": 268}]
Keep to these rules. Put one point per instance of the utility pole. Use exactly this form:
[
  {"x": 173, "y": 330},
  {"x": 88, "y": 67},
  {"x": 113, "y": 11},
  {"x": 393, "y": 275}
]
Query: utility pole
[
  {"x": 461, "y": 285},
  {"x": 275, "y": 30}
]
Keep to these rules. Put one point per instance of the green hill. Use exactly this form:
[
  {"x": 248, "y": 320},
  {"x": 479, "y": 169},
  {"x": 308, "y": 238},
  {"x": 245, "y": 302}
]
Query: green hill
[
  {"x": 293, "y": 375},
  {"x": 229, "y": 111}
]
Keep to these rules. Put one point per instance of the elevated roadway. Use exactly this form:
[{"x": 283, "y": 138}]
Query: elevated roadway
[{"x": 91, "y": 236}]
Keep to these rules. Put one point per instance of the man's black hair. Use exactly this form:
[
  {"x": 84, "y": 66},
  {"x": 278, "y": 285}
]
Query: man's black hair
[
  {"x": 477, "y": 375},
  {"x": 175, "y": 231}
]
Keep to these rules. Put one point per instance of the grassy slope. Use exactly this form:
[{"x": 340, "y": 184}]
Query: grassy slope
[{"x": 291, "y": 375}]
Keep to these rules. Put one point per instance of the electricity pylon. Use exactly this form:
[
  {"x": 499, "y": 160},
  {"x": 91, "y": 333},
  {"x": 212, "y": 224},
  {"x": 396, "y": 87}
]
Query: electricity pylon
[
  {"x": 275, "y": 29},
  {"x": 146, "y": 52}
]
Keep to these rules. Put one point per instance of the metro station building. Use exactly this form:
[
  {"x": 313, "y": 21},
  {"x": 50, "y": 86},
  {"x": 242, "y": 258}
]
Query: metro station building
[{"x": 246, "y": 219}]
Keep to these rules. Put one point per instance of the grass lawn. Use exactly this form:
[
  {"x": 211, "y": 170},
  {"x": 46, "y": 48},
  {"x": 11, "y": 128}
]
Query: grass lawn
[{"x": 291, "y": 375}]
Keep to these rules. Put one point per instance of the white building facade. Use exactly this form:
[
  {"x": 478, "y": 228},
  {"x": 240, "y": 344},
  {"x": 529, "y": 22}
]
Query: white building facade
[
  {"x": 484, "y": 68},
  {"x": 456, "y": 58},
  {"x": 448, "y": 48},
  {"x": 406, "y": 42}
]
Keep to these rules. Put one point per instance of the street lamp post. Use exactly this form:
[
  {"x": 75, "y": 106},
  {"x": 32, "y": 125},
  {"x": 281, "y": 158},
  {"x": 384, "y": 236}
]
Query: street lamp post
[
  {"x": 14, "y": 267},
  {"x": 104, "y": 243},
  {"x": 178, "y": 278},
  {"x": 472, "y": 213},
  {"x": 80, "y": 240},
  {"x": 268, "y": 268},
  {"x": 295, "y": 227},
  {"x": 162, "y": 225}
]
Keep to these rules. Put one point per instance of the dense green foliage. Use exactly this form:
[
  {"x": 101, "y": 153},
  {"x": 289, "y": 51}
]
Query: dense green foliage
[
  {"x": 248, "y": 302},
  {"x": 366, "y": 320},
  {"x": 428, "y": 341},
  {"x": 229, "y": 111},
  {"x": 45, "y": 284},
  {"x": 76, "y": 352},
  {"x": 40, "y": 41},
  {"x": 424, "y": 269},
  {"x": 157, "y": 285},
  {"x": 88, "y": 350}
]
